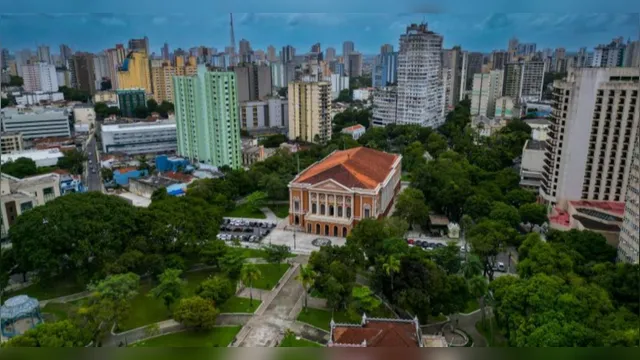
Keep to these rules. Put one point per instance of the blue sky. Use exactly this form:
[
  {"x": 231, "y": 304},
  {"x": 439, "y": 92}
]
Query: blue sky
[{"x": 93, "y": 27}]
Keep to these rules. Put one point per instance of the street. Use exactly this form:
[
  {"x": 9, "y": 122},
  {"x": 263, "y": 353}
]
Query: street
[{"x": 94, "y": 181}]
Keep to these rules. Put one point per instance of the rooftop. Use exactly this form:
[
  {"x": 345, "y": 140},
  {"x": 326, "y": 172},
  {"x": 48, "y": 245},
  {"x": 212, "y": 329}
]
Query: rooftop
[
  {"x": 354, "y": 168},
  {"x": 38, "y": 180},
  {"x": 614, "y": 207},
  {"x": 537, "y": 121},
  {"x": 156, "y": 125},
  {"x": 157, "y": 181},
  {"x": 125, "y": 170},
  {"x": 376, "y": 333},
  {"x": 34, "y": 155},
  {"x": 353, "y": 128},
  {"x": 184, "y": 178},
  {"x": 535, "y": 145}
]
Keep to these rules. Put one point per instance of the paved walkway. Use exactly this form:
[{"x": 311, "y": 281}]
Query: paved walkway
[
  {"x": 271, "y": 216},
  {"x": 468, "y": 324},
  {"x": 65, "y": 299}
]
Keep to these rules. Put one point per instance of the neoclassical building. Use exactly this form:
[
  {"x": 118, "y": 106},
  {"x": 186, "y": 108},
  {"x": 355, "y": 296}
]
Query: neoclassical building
[{"x": 332, "y": 195}]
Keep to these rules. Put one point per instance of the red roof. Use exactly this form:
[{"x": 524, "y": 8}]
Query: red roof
[
  {"x": 614, "y": 207},
  {"x": 561, "y": 218},
  {"x": 354, "y": 168},
  {"x": 60, "y": 171},
  {"x": 377, "y": 333},
  {"x": 125, "y": 170},
  {"x": 353, "y": 128},
  {"x": 178, "y": 176}
]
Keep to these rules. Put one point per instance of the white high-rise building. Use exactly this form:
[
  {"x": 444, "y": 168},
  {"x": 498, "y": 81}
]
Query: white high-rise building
[
  {"x": 385, "y": 101},
  {"x": 44, "y": 55},
  {"x": 487, "y": 87},
  {"x": 101, "y": 68},
  {"x": 595, "y": 121},
  {"x": 523, "y": 80},
  {"x": 338, "y": 83},
  {"x": 419, "y": 77},
  {"x": 40, "y": 76},
  {"x": 628, "y": 247}
]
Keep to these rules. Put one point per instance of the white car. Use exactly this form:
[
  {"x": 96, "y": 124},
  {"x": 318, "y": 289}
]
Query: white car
[{"x": 501, "y": 266}]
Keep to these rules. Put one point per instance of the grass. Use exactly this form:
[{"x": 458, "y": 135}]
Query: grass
[
  {"x": 498, "y": 339},
  {"x": 60, "y": 311},
  {"x": 49, "y": 289},
  {"x": 472, "y": 305},
  {"x": 217, "y": 337},
  {"x": 281, "y": 210},
  {"x": 244, "y": 211},
  {"x": 405, "y": 177},
  {"x": 322, "y": 318},
  {"x": 239, "y": 305},
  {"x": 271, "y": 274},
  {"x": 436, "y": 319},
  {"x": 291, "y": 341}
]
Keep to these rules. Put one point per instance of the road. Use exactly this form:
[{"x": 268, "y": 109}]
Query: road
[{"x": 94, "y": 182}]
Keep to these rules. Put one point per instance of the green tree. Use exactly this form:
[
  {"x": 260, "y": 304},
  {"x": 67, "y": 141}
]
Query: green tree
[
  {"x": 169, "y": 288},
  {"x": 110, "y": 300},
  {"x": 274, "y": 186},
  {"x": 519, "y": 197},
  {"x": 413, "y": 156},
  {"x": 73, "y": 161},
  {"x": 535, "y": 214},
  {"x": 283, "y": 91},
  {"x": 391, "y": 266},
  {"x": 506, "y": 213},
  {"x": 477, "y": 206},
  {"x": 164, "y": 108},
  {"x": 141, "y": 112},
  {"x": 436, "y": 144},
  {"x": 487, "y": 239},
  {"x": 107, "y": 174},
  {"x": 273, "y": 141},
  {"x": 411, "y": 207},
  {"x": 306, "y": 278},
  {"x": 448, "y": 258},
  {"x": 218, "y": 289},
  {"x": 472, "y": 266},
  {"x": 50, "y": 334},
  {"x": 152, "y": 105},
  {"x": 250, "y": 273},
  {"x": 213, "y": 252},
  {"x": 196, "y": 312},
  {"x": 20, "y": 168},
  {"x": 15, "y": 80},
  {"x": 256, "y": 200},
  {"x": 363, "y": 301},
  {"x": 478, "y": 288},
  {"x": 344, "y": 96},
  {"x": 276, "y": 254},
  {"x": 231, "y": 264}
]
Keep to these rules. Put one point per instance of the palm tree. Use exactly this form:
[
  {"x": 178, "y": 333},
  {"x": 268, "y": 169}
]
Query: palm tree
[
  {"x": 249, "y": 274},
  {"x": 478, "y": 287},
  {"x": 390, "y": 267},
  {"x": 306, "y": 277},
  {"x": 472, "y": 266}
]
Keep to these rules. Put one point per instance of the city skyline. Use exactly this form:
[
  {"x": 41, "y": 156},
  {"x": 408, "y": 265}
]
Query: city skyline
[{"x": 484, "y": 33}]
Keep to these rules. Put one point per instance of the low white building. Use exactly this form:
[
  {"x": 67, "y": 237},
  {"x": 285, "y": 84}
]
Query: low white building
[
  {"x": 140, "y": 138},
  {"x": 36, "y": 123},
  {"x": 362, "y": 94},
  {"x": 36, "y": 98},
  {"x": 532, "y": 162},
  {"x": 539, "y": 128},
  {"x": 338, "y": 83},
  {"x": 355, "y": 131},
  {"x": 264, "y": 115},
  {"x": 505, "y": 108},
  {"x": 84, "y": 114},
  {"x": 42, "y": 158},
  {"x": 486, "y": 126}
]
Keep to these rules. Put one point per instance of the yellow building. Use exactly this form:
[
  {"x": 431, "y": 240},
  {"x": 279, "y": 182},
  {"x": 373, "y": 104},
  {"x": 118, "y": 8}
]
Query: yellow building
[
  {"x": 134, "y": 72},
  {"x": 162, "y": 73},
  {"x": 310, "y": 111}
]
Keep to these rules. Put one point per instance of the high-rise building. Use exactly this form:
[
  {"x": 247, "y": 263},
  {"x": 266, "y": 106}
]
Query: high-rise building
[
  {"x": 523, "y": 80},
  {"x": 487, "y": 87},
  {"x": 452, "y": 60},
  {"x": 629, "y": 245},
  {"x": 337, "y": 67},
  {"x": 134, "y": 72},
  {"x": 558, "y": 56},
  {"x": 115, "y": 57},
  {"x": 595, "y": 120},
  {"x": 4, "y": 59},
  {"x": 386, "y": 48},
  {"x": 385, "y": 111},
  {"x": 253, "y": 82},
  {"x": 632, "y": 54},
  {"x": 130, "y": 99},
  {"x": 44, "y": 54},
  {"x": 610, "y": 55},
  {"x": 65, "y": 54},
  {"x": 347, "y": 49},
  {"x": 40, "y": 76},
  {"x": 310, "y": 111},
  {"x": 329, "y": 54},
  {"x": 471, "y": 65},
  {"x": 316, "y": 48},
  {"x": 499, "y": 59},
  {"x": 244, "y": 47},
  {"x": 101, "y": 68},
  {"x": 386, "y": 69},
  {"x": 140, "y": 45},
  {"x": 271, "y": 54},
  {"x": 526, "y": 49},
  {"x": 162, "y": 73},
  {"x": 206, "y": 109},
  {"x": 85, "y": 75},
  {"x": 264, "y": 115},
  {"x": 355, "y": 64},
  {"x": 419, "y": 77},
  {"x": 165, "y": 52},
  {"x": 278, "y": 75},
  {"x": 287, "y": 54}
]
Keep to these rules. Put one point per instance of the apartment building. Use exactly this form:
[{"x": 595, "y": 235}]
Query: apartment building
[
  {"x": 595, "y": 119},
  {"x": 629, "y": 244},
  {"x": 264, "y": 116},
  {"x": 355, "y": 64},
  {"x": 140, "y": 138},
  {"x": 254, "y": 82},
  {"x": 385, "y": 108},
  {"x": 84, "y": 75},
  {"x": 36, "y": 123},
  {"x": 487, "y": 87},
  {"x": 134, "y": 72},
  {"x": 523, "y": 80},
  {"x": 11, "y": 142},
  {"x": 386, "y": 69},
  {"x": 40, "y": 76},
  {"x": 310, "y": 111},
  {"x": 419, "y": 77},
  {"x": 162, "y": 73},
  {"x": 338, "y": 83},
  {"x": 130, "y": 99},
  {"x": 115, "y": 57},
  {"x": 206, "y": 110},
  {"x": 452, "y": 72},
  {"x": 531, "y": 166}
]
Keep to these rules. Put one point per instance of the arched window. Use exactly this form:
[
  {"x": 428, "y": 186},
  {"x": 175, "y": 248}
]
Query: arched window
[
  {"x": 313, "y": 208},
  {"x": 348, "y": 211},
  {"x": 367, "y": 211},
  {"x": 326, "y": 230},
  {"x": 330, "y": 210},
  {"x": 335, "y": 231},
  {"x": 322, "y": 209},
  {"x": 340, "y": 210},
  {"x": 296, "y": 220},
  {"x": 309, "y": 228},
  {"x": 344, "y": 232},
  {"x": 318, "y": 229}
]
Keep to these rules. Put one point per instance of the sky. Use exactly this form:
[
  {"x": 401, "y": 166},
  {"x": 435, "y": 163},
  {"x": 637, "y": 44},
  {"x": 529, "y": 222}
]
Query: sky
[{"x": 94, "y": 28}]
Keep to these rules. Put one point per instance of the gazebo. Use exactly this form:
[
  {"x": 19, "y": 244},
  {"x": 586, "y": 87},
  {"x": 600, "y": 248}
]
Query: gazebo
[{"x": 19, "y": 314}]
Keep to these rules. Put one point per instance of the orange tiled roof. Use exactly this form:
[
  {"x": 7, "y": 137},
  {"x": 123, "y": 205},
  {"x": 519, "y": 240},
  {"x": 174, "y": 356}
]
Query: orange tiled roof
[
  {"x": 615, "y": 207},
  {"x": 377, "y": 334},
  {"x": 125, "y": 170},
  {"x": 358, "y": 167},
  {"x": 178, "y": 176},
  {"x": 353, "y": 127}
]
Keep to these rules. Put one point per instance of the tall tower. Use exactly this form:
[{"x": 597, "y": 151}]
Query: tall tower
[{"x": 233, "y": 37}]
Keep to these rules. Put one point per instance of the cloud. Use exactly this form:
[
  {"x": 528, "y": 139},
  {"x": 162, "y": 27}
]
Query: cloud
[
  {"x": 159, "y": 20},
  {"x": 108, "y": 19},
  {"x": 495, "y": 22}
]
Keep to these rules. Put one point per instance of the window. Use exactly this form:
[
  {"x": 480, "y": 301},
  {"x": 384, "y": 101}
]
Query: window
[
  {"x": 330, "y": 210},
  {"x": 322, "y": 209},
  {"x": 25, "y": 206},
  {"x": 340, "y": 210},
  {"x": 348, "y": 211},
  {"x": 367, "y": 212},
  {"x": 296, "y": 205},
  {"x": 313, "y": 208}
]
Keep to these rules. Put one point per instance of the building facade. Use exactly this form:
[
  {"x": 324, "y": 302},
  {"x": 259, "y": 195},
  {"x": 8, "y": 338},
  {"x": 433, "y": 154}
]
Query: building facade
[
  {"x": 40, "y": 76},
  {"x": 309, "y": 111},
  {"x": 139, "y": 138},
  {"x": 38, "y": 123},
  {"x": 162, "y": 73},
  {"x": 134, "y": 72},
  {"x": 267, "y": 115},
  {"x": 85, "y": 75},
  {"x": 355, "y": 64},
  {"x": 419, "y": 77},
  {"x": 206, "y": 110},
  {"x": 11, "y": 142},
  {"x": 338, "y": 83},
  {"x": 629, "y": 244},
  {"x": 331, "y": 196},
  {"x": 386, "y": 69},
  {"x": 385, "y": 109},
  {"x": 595, "y": 119},
  {"x": 523, "y": 80},
  {"x": 487, "y": 87},
  {"x": 130, "y": 99},
  {"x": 115, "y": 57},
  {"x": 532, "y": 163},
  {"x": 253, "y": 81}
]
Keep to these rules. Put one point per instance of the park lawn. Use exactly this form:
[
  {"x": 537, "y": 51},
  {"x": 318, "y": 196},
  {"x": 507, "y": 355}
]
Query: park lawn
[
  {"x": 322, "y": 318},
  {"x": 217, "y": 337},
  {"x": 60, "y": 311},
  {"x": 291, "y": 341},
  {"x": 472, "y": 305},
  {"x": 148, "y": 310},
  {"x": 251, "y": 253},
  {"x": 281, "y": 210},
  {"x": 239, "y": 305},
  {"x": 498, "y": 339},
  {"x": 270, "y": 275},
  {"x": 49, "y": 289},
  {"x": 243, "y": 211}
]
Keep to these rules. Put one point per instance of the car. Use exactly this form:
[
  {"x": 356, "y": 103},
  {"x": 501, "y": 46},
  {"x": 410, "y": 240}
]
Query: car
[
  {"x": 419, "y": 243},
  {"x": 426, "y": 245},
  {"x": 411, "y": 241},
  {"x": 273, "y": 225},
  {"x": 93, "y": 171},
  {"x": 254, "y": 238},
  {"x": 439, "y": 245},
  {"x": 226, "y": 221},
  {"x": 237, "y": 229},
  {"x": 220, "y": 236},
  {"x": 501, "y": 266},
  {"x": 265, "y": 232}
]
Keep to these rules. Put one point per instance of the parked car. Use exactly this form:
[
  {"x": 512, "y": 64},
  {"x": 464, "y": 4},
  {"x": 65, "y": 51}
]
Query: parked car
[
  {"x": 411, "y": 241},
  {"x": 501, "y": 267}
]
